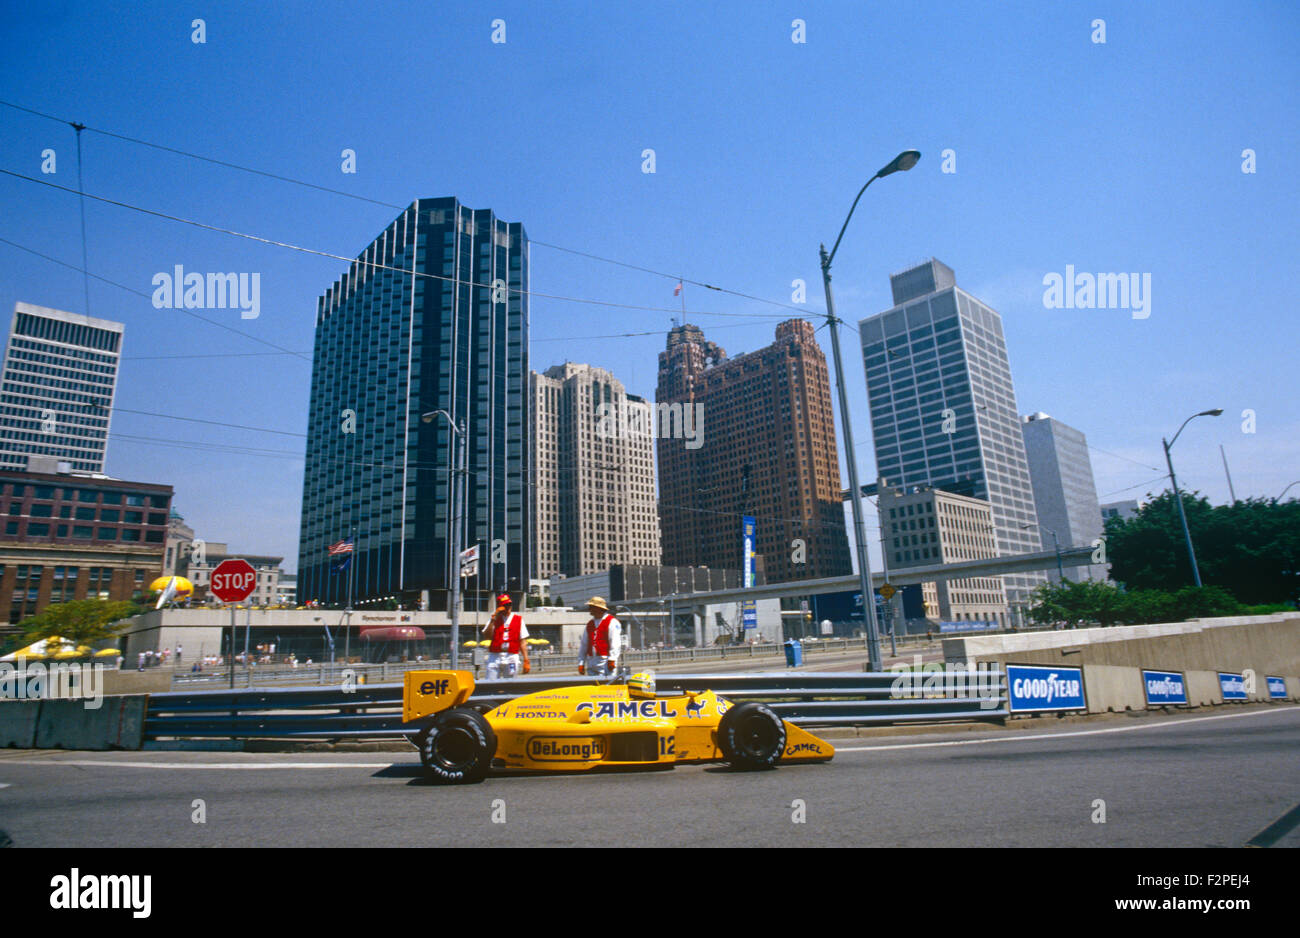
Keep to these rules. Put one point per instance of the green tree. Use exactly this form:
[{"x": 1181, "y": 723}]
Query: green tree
[
  {"x": 79, "y": 622},
  {"x": 1251, "y": 549}
]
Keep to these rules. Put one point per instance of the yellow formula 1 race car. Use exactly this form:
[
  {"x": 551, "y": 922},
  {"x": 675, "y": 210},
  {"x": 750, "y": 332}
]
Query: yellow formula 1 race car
[{"x": 575, "y": 729}]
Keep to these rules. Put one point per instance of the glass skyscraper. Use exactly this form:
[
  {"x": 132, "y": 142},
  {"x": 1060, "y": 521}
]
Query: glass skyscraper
[
  {"x": 433, "y": 315},
  {"x": 943, "y": 408},
  {"x": 56, "y": 397}
]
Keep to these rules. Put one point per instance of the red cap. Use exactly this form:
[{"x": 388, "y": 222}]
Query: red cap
[{"x": 504, "y": 600}]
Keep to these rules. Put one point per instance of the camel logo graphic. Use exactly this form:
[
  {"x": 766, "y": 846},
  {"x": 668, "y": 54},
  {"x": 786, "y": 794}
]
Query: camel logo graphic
[{"x": 694, "y": 708}]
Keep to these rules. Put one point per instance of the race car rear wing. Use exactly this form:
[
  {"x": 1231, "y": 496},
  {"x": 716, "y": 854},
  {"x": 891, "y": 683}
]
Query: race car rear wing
[{"x": 426, "y": 692}]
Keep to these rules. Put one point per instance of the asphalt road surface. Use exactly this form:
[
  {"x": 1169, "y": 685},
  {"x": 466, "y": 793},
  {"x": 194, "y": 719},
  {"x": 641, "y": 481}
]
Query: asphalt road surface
[{"x": 1196, "y": 779}]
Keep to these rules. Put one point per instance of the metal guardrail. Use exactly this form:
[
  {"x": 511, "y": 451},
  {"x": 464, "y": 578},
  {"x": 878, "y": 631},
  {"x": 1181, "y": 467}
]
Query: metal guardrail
[
  {"x": 265, "y": 675},
  {"x": 373, "y": 711}
]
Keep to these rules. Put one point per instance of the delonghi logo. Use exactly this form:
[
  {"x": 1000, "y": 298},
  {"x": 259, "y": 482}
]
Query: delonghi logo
[
  {"x": 566, "y": 749},
  {"x": 1040, "y": 688},
  {"x": 57, "y": 680},
  {"x": 75, "y": 891}
]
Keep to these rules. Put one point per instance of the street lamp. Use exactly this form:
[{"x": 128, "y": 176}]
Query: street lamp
[
  {"x": 458, "y": 458},
  {"x": 904, "y": 161},
  {"x": 1284, "y": 491},
  {"x": 1178, "y": 499},
  {"x": 1060, "y": 573}
]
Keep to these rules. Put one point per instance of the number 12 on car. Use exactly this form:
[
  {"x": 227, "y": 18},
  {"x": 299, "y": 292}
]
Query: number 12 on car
[{"x": 666, "y": 744}]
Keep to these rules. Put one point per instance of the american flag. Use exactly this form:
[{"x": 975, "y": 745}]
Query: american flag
[{"x": 342, "y": 547}]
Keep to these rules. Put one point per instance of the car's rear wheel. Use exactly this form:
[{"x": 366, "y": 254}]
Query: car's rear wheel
[
  {"x": 457, "y": 748},
  {"x": 751, "y": 736}
]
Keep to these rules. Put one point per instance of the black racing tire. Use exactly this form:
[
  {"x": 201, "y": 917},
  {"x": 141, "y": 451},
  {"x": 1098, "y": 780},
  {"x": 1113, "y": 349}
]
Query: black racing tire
[
  {"x": 751, "y": 736},
  {"x": 457, "y": 748}
]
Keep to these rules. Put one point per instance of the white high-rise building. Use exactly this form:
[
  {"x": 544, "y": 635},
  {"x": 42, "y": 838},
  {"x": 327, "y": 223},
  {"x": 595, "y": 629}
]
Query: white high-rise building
[
  {"x": 943, "y": 408},
  {"x": 593, "y": 492},
  {"x": 56, "y": 399},
  {"x": 1065, "y": 494}
]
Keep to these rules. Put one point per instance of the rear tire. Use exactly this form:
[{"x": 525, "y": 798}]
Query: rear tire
[
  {"x": 457, "y": 748},
  {"x": 751, "y": 736}
]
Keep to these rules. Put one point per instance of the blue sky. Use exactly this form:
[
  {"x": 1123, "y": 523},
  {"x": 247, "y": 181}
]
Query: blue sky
[{"x": 1124, "y": 156}]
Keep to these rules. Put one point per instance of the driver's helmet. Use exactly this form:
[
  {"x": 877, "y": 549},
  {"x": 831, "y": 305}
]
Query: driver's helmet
[{"x": 641, "y": 684}]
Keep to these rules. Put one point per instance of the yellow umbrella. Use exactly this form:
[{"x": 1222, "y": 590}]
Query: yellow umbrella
[
  {"x": 470, "y": 645},
  {"x": 537, "y": 641},
  {"x": 108, "y": 652},
  {"x": 81, "y": 651}
]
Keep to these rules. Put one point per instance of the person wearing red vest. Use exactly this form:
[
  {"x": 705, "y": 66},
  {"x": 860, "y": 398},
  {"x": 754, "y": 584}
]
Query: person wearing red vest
[
  {"x": 508, "y": 637},
  {"x": 599, "y": 647}
]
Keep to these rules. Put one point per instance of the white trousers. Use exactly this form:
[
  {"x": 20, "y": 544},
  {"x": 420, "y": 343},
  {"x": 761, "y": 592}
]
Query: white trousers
[
  {"x": 597, "y": 666},
  {"x": 502, "y": 665}
]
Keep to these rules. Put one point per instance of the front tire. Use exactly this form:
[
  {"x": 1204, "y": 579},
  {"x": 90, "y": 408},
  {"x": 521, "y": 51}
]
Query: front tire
[
  {"x": 751, "y": 736},
  {"x": 457, "y": 748}
]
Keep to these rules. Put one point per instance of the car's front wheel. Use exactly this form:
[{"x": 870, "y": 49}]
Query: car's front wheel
[
  {"x": 457, "y": 748},
  {"x": 751, "y": 736}
]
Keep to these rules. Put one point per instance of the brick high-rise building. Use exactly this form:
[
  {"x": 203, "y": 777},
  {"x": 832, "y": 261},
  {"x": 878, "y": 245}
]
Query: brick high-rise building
[
  {"x": 593, "y": 497},
  {"x": 755, "y": 435}
]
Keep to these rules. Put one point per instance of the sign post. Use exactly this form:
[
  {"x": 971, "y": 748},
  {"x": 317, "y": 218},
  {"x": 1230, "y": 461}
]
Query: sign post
[{"x": 233, "y": 581}]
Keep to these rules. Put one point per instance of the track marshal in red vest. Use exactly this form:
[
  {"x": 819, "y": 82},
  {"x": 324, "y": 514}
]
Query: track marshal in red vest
[
  {"x": 508, "y": 641},
  {"x": 601, "y": 641}
]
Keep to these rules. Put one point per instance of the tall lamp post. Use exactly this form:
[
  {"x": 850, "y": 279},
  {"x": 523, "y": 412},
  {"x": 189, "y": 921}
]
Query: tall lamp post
[
  {"x": 1178, "y": 499},
  {"x": 904, "y": 161},
  {"x": 1060, "y": 572},
  {"x": 1284, "y": 491},
  {"x": 458, "y": 458}
]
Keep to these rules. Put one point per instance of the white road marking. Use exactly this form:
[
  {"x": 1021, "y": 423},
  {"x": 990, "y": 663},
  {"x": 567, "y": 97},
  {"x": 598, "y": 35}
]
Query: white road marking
[
  {"x": 1029, "y": 737},
  {"x": 4, "y": 784},
  {"x": 205, "y": 765}
]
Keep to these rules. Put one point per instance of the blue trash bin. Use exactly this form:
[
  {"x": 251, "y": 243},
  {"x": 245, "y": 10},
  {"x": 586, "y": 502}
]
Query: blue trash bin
[{"x": 793, "y": 653}]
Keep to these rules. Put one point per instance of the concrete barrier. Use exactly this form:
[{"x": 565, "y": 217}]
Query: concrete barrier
[
  {"x": 67, "y": 724},
  {"x": 1109, "y": 688},
  {"x": 1203, "y": 688},
  {"x": 18, "y": 723}
]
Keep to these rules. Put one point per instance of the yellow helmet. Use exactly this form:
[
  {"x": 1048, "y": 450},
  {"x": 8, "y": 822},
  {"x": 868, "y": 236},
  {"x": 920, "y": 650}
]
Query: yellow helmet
[{"x": 641, "y": 684}]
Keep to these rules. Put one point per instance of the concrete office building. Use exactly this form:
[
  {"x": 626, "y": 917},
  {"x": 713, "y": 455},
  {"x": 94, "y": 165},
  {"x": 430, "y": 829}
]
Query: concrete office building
[
  {"x": 593, "y": 494},
  {"x": 1123, "y": 510},
  {"x": 1065, "y": 494},
  {"x": 433, "y": 315},
  {"x": 761, "y": 443},
  {"x": 923, "y": 526},
  {"x": 56, "y": 396},
  {"x": 77, "y": 535},
  {"x": 943, "y": 407}
]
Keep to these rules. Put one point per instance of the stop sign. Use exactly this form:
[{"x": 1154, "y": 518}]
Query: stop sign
[{"x": 233, "y": 580}]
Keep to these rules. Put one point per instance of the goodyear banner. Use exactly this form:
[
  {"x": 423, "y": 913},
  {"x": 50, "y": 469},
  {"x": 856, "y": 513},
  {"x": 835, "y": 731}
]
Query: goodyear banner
[
  {"x": 1036, "y": 688},
  {"x": 1276, "y": 687},
  {"x": 1164, "y": 687},
  {"x": 966, "y": 626},
  {"x": 748, "y": 612},
  {"x": 1233, "y": 686}
]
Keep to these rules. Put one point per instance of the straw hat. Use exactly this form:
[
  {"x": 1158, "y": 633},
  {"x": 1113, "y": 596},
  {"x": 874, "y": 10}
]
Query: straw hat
[{"x": 598, "y": 602}]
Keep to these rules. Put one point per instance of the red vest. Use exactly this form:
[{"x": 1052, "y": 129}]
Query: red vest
[
  {"x": 510, "y": 640},
  {"x": 598, "y": 637}
]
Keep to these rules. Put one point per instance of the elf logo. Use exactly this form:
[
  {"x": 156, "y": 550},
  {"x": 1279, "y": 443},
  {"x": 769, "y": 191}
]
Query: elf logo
[
  {"x": 437, "y": 688},
  {"x": 76, "y": 891}
]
